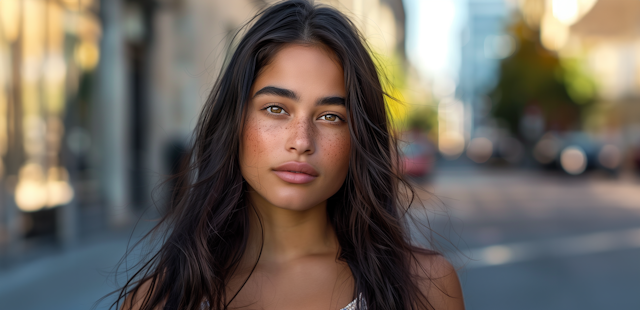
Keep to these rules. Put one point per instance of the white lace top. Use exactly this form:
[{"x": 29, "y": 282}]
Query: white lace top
[{"x": 350, "y": 306}]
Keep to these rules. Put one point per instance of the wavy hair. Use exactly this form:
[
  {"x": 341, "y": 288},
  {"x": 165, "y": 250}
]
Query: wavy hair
[{"x": 205, "y": 231}]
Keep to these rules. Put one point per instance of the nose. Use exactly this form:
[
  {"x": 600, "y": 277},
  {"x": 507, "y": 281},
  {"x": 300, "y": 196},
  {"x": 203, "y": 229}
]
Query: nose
[{"x": 301, "y": 137}]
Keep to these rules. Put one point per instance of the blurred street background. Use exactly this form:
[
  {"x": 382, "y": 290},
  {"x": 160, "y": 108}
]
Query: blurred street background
[{"x": 520, "y": 119}]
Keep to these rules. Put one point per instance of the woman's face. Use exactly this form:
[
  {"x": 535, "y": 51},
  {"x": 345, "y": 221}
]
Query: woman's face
[{"x": 295, "y": 143}]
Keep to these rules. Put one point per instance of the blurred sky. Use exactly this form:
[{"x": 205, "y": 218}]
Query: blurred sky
[{"x": 434, "y": 30}]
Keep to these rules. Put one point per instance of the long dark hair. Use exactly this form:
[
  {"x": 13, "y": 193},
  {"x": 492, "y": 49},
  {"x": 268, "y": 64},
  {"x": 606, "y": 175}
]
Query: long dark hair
[{"x": 206, "y": 228}]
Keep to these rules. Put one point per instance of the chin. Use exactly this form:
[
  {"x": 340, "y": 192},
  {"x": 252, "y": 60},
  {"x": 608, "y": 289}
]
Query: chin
[
  {"x": 293, "y": 201},
  {"x": 295, "y": 198}
]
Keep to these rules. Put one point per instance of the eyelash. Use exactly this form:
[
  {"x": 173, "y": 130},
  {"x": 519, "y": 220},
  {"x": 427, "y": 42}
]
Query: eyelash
[
  {"x": 338, "y": 117},
  {"x": 285, "y": 112},
  {"x": 274, "y": 106}
]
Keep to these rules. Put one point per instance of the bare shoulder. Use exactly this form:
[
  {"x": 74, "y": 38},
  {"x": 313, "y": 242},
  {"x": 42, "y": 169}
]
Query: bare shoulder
[
  {"x": 136, "y": 300},
  {"x": 438, "y": 280}
]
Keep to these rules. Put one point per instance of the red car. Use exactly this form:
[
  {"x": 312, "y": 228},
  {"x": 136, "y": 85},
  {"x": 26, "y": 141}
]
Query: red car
[{"x": 418, "y": 154}]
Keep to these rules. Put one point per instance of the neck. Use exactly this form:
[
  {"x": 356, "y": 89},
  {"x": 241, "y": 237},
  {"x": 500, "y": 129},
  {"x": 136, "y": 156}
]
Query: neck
[{"x": 289, "y": 234}]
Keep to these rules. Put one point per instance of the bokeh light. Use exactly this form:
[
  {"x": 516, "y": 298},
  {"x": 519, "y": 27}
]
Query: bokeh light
[
  {"x": 610, "y": 156},
  {"x": 573, "y": 160},
  {"x": 480, "y": 149},
  {"x": 546, "y": 150}
]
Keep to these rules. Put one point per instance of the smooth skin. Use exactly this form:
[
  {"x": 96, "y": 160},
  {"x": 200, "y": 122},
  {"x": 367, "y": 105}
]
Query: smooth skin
[{"x": 297, "y": 113}]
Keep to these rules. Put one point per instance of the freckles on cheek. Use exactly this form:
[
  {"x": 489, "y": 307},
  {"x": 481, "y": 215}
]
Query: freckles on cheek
[
  {"x": 338, "y": 148},
  {"x": 256, "y": 140},
  {"x": 249, "y": 147}
]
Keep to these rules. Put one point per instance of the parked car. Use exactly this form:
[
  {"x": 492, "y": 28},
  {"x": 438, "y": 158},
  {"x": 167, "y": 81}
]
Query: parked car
[
  {"x": 575, "y": 152},
  {"x": 417, "y": 153}
]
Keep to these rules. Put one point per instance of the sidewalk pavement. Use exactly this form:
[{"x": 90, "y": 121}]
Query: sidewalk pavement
[{"x": 72, "y": 279}]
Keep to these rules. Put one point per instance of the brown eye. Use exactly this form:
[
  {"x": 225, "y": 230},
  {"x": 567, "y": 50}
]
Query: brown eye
[
  {"x": 275, "y": 109},
  {"x": 330, "y": 117}
]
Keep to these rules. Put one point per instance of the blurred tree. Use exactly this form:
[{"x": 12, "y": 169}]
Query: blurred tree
[
  {"x": 535, "y": 81},
  {"x": 405, "y": 110},
  {"x": 423, "y": 118},
  {"x": 392, "y": 73}
]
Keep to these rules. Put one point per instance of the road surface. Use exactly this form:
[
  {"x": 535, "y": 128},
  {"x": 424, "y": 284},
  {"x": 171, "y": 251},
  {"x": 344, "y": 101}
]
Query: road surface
[{"x": 541, "y": 240}]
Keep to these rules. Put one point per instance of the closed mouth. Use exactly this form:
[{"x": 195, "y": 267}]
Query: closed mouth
[
  {"x": 297, "y": 167},
  {"x": 292, "y": 171}
]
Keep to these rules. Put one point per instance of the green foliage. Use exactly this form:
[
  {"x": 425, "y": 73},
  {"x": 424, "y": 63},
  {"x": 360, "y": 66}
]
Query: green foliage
[
  {"x": 423, "y": 118},
  {"x": 581, "y": 88},
  {"x": 534, "y": 76},
  {"x": 392, "y": 73}
]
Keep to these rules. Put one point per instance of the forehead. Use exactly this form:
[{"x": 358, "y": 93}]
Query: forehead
[{"x": 309, "y": 70}]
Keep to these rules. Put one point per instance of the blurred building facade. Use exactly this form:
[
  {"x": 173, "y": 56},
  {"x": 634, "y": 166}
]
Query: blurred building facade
[
  {"x": 609, "y": 36},
  {"x": 98, "y": 100},
  {"x": 49, "y": 51},
  {"x": 484, "y": 43}
]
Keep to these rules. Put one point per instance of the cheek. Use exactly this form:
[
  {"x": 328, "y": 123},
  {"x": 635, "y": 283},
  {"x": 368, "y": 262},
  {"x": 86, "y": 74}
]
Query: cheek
[
  {"x": 338, "y": 151},
  {"x": 256, "y": 140}
]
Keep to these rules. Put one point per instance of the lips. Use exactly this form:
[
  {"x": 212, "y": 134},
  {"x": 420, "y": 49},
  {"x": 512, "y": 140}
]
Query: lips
[{"x": 296, "y": 172}]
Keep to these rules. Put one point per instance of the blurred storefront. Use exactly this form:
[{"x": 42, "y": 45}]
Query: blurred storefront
[
  {"x": 98, "y": 99},
  {"x": 49, "y": 52}
]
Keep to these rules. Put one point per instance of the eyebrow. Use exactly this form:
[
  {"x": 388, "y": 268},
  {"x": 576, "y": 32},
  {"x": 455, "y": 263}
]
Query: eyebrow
[
  {"x": 277, "y": 91},
  {"x": 289, "y": 94},
  {"x": 334, "y": 100}
]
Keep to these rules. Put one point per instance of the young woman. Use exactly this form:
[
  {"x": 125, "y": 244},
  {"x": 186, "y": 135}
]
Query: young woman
[{"x": 292, "y": 199}]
